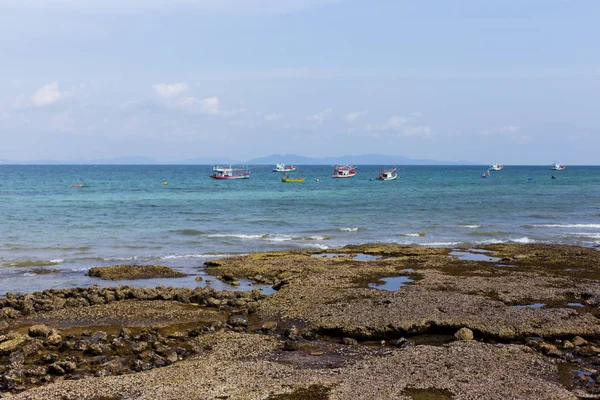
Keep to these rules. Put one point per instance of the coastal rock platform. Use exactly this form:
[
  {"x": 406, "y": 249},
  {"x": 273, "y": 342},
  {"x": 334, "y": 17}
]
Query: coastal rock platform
[{"x": 525, "y": 319}]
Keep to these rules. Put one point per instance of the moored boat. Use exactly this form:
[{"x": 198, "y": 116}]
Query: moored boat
[
  {"x": 496, "y": 167},
  {"x": 288, "y": 179},
  {"x": 229, "y": 172},
  {"x": 343, "y": 171},
  {"x": 558, "y": 167},
  {"x": 387, "y": 174},
  {"x": 281, "y": 167}
]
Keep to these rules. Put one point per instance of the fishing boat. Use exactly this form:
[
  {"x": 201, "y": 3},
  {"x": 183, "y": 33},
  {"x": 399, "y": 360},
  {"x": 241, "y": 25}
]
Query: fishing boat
[
  {"x": 558, "y": 167},
  {"x": 486, "y": 174},
  {"x": 288, "y": 179},
  {"x": 281, "y": 167},
  {"x": 343, "y": 171},
  {"x": 496, "y": 167},
  {"x": 387, "y": 174},
  {"x": 229, "y": 172}
]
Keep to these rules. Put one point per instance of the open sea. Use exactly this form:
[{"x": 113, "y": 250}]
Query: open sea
[{"x": 125, "y": 214}]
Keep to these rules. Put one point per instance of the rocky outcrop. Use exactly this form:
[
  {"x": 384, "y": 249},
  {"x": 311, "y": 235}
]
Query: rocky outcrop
[{"x": 125, "y": 272}]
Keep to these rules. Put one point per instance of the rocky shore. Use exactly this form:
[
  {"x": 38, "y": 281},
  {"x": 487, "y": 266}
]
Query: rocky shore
[{"x": 523, "y": 324}]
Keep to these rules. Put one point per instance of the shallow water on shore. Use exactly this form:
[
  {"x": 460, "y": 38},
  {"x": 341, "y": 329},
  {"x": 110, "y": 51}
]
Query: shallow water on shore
[{"x": 125, "y": 214}]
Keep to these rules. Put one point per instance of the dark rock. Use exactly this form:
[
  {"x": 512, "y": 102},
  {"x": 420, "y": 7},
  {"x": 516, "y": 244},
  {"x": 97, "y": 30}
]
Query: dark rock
[
  {"x": 125, "y": 333},
  {"x": 54, "y": 339},
  {"x": 119, "y": 272},
  {"x": 238, "y": 320},
  {"x": 401, "y": 342},
  {"x": 349, "y": 341},
  {"x": 290, "y": 345},
  {"x": 139, "y": 347},
  {"x": 55, "y": 369},
  {"x": 292, "y": 333},
  {"x": 99, "y": 337},
  {"x": 49, "y": 358}
]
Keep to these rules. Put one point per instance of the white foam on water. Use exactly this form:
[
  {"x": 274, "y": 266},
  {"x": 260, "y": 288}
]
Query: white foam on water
[
  {"x": 317, "y": 246},
  {"x": 470, "y": 226},
  {"x": 569, "y": 226},
  {"x": 235, "y": 235},
  {"x": 439, "y": 243},
  {"x": 522, "y": 240},
  {"x": 418, "y": 234},
  {"x": 349, "y": 229},
  {"x": 191, "y": 256},
  {"x": 277, "y": 238},
  {"x": 594, "y": 235},
  {"x": 57, "y": 261}
]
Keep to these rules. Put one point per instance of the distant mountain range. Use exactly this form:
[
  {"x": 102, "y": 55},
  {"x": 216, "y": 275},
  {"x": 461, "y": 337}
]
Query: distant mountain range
[{"x": 367, "y": 159}]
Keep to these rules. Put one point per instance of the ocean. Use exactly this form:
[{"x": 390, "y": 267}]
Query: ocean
[{"x": 126, "y": 214}]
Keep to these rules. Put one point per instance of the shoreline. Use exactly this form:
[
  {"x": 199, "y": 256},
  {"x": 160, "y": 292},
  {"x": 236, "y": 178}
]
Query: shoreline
[{"x": 327, "y": 315}]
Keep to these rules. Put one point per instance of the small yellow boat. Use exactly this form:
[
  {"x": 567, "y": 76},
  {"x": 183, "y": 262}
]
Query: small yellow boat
[{"x": 288, "y": 179}]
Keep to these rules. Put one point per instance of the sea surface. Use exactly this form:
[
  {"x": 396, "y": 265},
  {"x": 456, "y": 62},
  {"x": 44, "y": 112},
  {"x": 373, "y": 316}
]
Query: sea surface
[{"x": 126, "y": 214}]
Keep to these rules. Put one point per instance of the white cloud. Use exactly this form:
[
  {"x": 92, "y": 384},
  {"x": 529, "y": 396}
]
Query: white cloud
[
  {"x": 320, "y": 117},
  {"x": 402, "y": 126},
  {"x": 353, "y": 116},
  {"x": 170, "y": 90},
  {"x": 272, "y": 117},
  {"x": 47, "y": 95},
  {"x": 210, "y": 105},
  {"x": 508, "y": 129}
]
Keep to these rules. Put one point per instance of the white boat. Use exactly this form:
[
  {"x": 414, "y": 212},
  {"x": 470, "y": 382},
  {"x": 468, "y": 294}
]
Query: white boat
[
  {"x": 281, "y": 167},
  {"x": 387, "y": 174},
  {"x": 229, "y": 172},
  {"x": 343, "y": 171},
  {"x": 497, "y": 167},
  {"x": 558, "y": 167}
]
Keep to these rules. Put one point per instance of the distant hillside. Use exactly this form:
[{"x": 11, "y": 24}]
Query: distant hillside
[{"x": 367, "y": 159}]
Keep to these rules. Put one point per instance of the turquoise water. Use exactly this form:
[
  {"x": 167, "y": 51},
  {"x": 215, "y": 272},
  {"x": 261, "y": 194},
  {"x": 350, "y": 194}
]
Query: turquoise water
[{"x": 127, "y": 214}]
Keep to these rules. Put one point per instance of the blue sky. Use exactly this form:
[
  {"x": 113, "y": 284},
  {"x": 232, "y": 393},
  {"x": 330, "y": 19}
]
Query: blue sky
[{"x": 512, "y": 81}]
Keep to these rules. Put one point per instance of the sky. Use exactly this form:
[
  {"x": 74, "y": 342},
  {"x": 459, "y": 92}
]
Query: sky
[{"x": 507, "y": 81}]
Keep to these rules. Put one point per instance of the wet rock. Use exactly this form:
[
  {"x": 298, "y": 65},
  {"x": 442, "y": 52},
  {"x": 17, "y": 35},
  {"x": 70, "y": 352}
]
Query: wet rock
[
  {"x": 94, "y": 349},
  {"x": 292, "y": 333},
  {"x": 117, "y": 366},
  {"x": 579, "y": 341},
  {"x": 67, "y": 366},
  {"x": 401, "y": 342},
  {"x": 238, "y": 321},
  {"x": 54, "y": 339},
  {"x": 172, "y": 357},
  {"x": 589, "y": 350},
  {"x": 349, "y": 341},
  {"x": 289, "y": 345},
  {"x": 99, "y": 337},
  {"x": 198, "y": 279},
  {"x": 568, "y": 345},
  {"x": 126, "y": 333},
  {"x": 49, "y": 358},
  {"x": 213, "y": 302},
  {"x": 534, "y": 341},
  {"x": 120, "y": 272},
  {"x": 269, "y": 326},
  {"x": 10, "y": 313},
  {"x": 55, "y": 369},
  {"x": 39, "y": 331},
  {"x": 139, "y": 347},
  {"x": 11, "y": 345},
  {"x": 177, "y": 335},
  {"x": 549, "y": 349},
  {"x": 3, "y": 326},
  {"x": 464, "y": 334}
]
